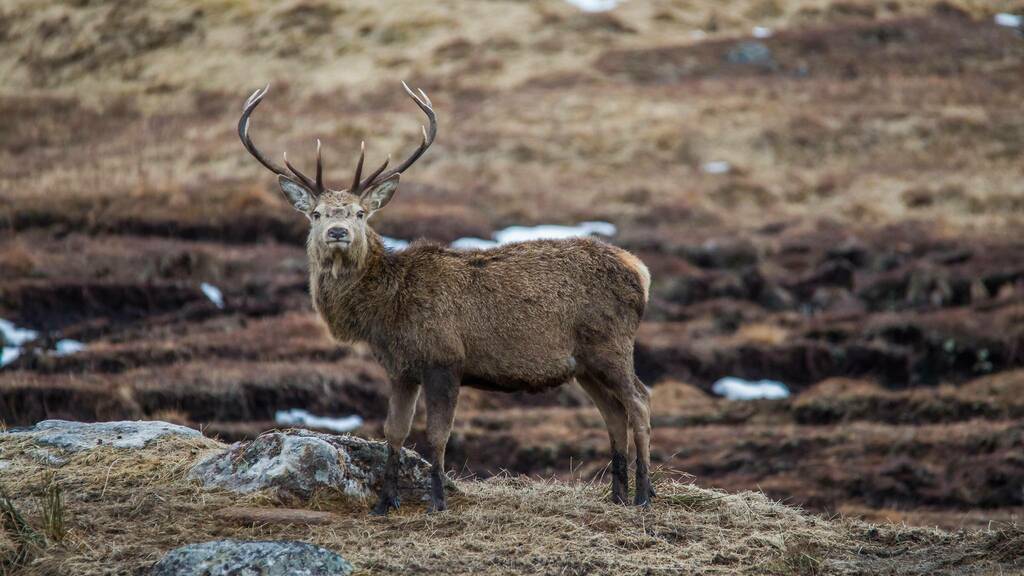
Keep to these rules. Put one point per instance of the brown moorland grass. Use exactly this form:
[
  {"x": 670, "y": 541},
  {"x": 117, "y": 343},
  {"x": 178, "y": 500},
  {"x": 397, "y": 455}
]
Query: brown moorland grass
[
  {"x": 122, "y": 509},
  {"x": 138, "y": 136}
]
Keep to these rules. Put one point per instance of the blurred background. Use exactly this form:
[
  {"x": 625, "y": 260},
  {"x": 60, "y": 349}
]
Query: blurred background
[{"x": 828, "y": 193}]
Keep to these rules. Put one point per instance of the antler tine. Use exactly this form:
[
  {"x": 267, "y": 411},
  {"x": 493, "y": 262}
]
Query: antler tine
[
  {"x": 366, "y": 181},
  {"x": 425, "y": 97},
  {"x": 429, "y": 133},
  {"x": 319, "y": 167},
  {"x": 306, "y": 180},
  {"x": 359, "y": 169},
  {"x": 243, "y": 130}
]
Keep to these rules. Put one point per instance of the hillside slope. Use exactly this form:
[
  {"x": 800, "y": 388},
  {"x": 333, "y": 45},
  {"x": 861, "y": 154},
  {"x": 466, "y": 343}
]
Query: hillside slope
[{"x": 834, "y": 202}]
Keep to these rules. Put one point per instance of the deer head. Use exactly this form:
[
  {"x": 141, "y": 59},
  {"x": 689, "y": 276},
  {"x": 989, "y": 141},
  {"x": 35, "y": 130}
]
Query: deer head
[{"x": 338, "y": 218}]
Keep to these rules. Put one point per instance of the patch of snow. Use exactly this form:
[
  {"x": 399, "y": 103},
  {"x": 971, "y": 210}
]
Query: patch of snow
[
  {"x": 540, "y": 232},
  {"x": 8, "y": 355},
  {"x": 473, "y": 244},
  {"x": 761, "y": 32},
  {"x": 740, "y": 389},
  {"x": 600, "y": 228},
  {"x": 394, "y": 244},
  {"x": 553, "y": 231},
  {"x": 1009, "y": 20},
  {"x": 213, "y": 293},
  {"x": 594, "y": 5},
  {"x": 300, "y": 417},
  {"x": 66, "y": 347},
  {"x": 717, "y": 167},
  {"x": 14, "y": 336},
  {"x": 520, "y": 234}
]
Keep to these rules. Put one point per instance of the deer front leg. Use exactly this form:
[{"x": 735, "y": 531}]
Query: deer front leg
[
  {"x": 441, "y": 386},
  {"x": 401, "y": 408}
]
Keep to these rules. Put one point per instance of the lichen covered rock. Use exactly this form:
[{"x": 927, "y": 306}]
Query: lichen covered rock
[
  {"x": 235, "y": 557},
  {"x": 296, "y": 464},
  {"x": 70, "y": 436}
]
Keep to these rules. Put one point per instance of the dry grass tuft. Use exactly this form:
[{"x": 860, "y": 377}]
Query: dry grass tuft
[
  {"x": 27, "y": 542},
  {"x": 800, "y": 557},
  {"x": 1007, "y": 543},
  {"x": 693, "y": 500},
  {"x": 53, "y": 512}
]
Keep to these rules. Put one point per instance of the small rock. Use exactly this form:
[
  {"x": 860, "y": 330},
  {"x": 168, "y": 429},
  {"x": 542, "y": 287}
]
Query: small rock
[
  {"x": 267, "y": 558},
  {"x": 295, "y": 464},
  {"x": 751, "y": 52},
  {"x": 79, "y": 436}
]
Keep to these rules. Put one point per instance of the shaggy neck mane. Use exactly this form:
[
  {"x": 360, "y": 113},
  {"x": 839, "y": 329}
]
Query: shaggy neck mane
[{"x": 349, "y": 287}]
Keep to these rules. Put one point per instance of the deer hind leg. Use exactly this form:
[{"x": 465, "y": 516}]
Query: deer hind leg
[
  {"x": 441, "y": 386},
  {"x": 617, "y": 422},
  {"x": 618, "y": 379},
  {"x": 401, "y": 408},
  {"x": 641, "y": 418}
]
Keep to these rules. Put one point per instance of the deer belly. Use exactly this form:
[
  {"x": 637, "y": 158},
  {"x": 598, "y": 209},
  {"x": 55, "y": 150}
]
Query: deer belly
[{"x": 521, "y": 376}]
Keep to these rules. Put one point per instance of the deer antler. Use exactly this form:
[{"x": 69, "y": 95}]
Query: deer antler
[
  {"x": 428, "y": 138},
  {"x": 316, "y": 186},
  {"x": 359, "y": 184}
]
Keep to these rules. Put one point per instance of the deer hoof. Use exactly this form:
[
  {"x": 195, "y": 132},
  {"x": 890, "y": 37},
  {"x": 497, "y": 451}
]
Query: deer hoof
[
  {"x": 385, "y": 505},
  {"x": 643, "y": 499},
  {"x": 437, "y": 506},
  {"x": 619, "y": 495}
]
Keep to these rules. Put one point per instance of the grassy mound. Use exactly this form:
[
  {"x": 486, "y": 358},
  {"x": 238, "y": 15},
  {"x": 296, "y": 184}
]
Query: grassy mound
[{"x": 110, "y": 511}]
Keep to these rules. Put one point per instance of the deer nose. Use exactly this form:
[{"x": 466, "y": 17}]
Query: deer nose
[{"x": 337, "y": 233}]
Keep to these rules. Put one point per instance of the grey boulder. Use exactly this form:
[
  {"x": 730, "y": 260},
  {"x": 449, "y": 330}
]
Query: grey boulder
[
  {"x": 240, "y": 558},
  {"x": 79, "y": 436},
  {"x": 296, "y": 464}
]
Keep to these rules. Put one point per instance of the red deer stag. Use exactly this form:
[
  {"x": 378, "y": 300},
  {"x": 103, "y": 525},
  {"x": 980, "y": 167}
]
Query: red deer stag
[{"x": 526, "y": 316}]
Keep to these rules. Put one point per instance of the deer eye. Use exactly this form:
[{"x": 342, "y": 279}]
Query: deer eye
[
  {"x": 316, "y": 215},
  {"x": 360, "y": 214}
]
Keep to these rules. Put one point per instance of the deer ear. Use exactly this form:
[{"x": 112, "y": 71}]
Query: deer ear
[
  {"x": 378, "y": 195},
  {"x": 298, "y": 195}
]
